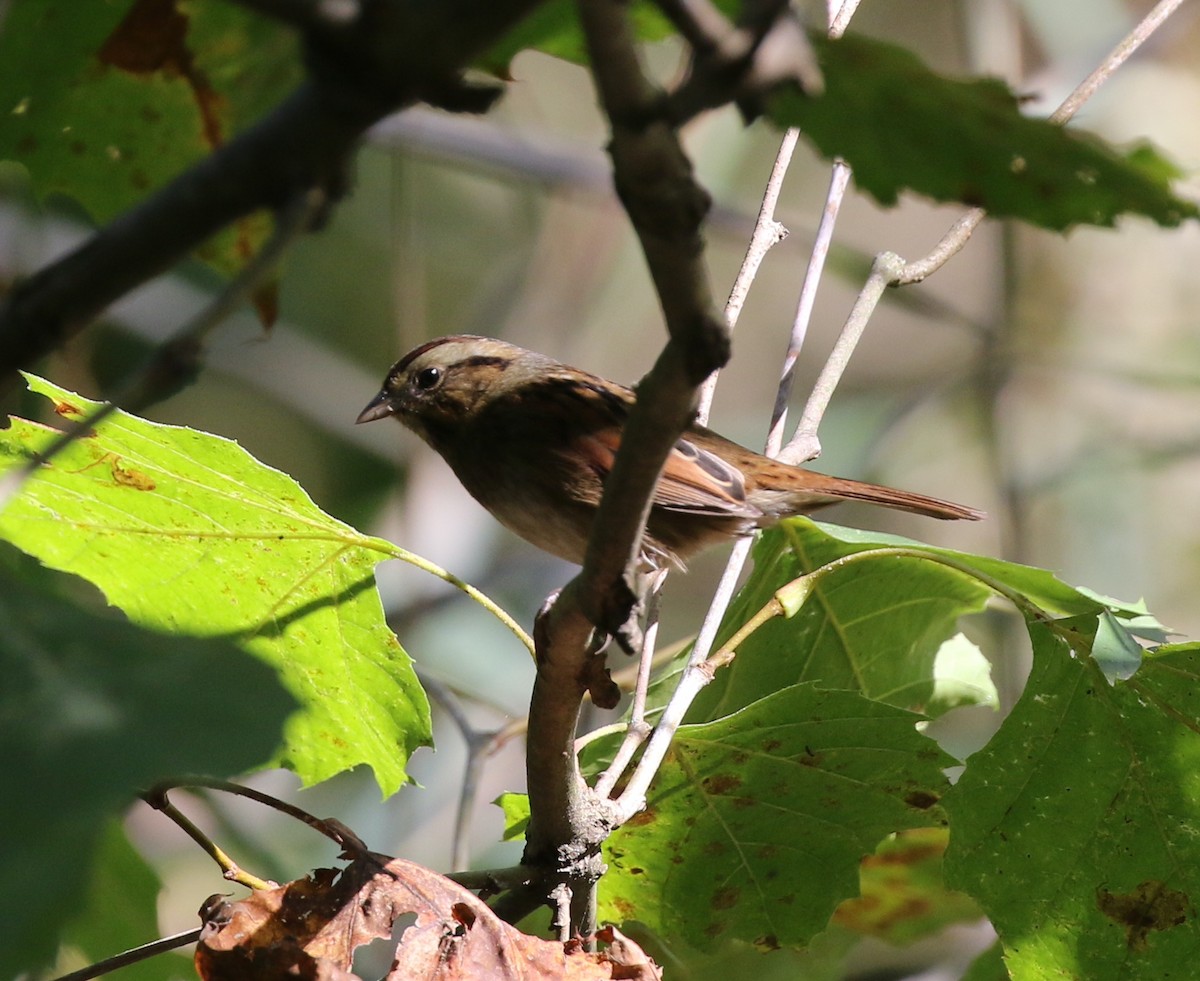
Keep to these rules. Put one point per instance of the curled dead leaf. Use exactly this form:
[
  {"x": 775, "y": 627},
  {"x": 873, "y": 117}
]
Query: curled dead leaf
[{"x": 311, "y": 928}]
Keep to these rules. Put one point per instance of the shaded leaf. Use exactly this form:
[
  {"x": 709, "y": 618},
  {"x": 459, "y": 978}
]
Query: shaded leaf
[
  {"x": 1077, "y": 828},
  {"x": 903, "y": 897},
  {"x": 988, "y": 966},
  {"x": 105, "y": 102},
  {"x": 187, "y": 532},
  {"x": 756, "y": 823},
  {"x": 94, "y": 710},
  {"x": 119, "y": 912},
  {"x": 904, "y": 127}
]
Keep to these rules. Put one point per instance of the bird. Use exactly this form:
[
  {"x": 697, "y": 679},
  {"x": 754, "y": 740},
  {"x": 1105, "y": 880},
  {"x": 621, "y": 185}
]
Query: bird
[{"x": 533, "y": 439}]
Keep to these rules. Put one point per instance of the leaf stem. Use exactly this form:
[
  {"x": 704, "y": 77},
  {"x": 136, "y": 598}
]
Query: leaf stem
[{"x": 489, "y": 604}]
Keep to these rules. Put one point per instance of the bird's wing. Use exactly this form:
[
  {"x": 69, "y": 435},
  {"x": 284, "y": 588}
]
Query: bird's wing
[{"x": 694, "y": 481}]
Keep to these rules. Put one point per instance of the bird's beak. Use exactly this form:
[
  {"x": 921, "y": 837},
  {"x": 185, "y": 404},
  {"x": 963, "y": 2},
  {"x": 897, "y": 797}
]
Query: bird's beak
[{"x": 380, "y": 407}]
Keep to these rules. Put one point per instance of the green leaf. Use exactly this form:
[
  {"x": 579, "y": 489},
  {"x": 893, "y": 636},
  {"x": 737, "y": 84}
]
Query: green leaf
[
  {"x": 903, "y": 897},
  {"x": 119, "y": 912},
  {"x": 553, "y": 28},
  {"x": 902, "y": 126},
  {"x": 875, "y": 626},
  {"x": 961, "y": 676},
  {"x": 104, "y": 102},
  {"x": 186, "y": 532},
  {"x": 516, "y": 814},
  {"x": 94, "y": 710},
  {"x": 756, "y": 823},
  {"x": 1077, "y": 828},
  {"x": 988, "y": 966},
  {"x": 1038, "y": 586}
]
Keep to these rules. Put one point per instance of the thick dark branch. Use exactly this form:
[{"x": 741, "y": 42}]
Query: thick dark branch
[
  {"x": 394, "y": 53},
  {"x": 654, "y": 179}
]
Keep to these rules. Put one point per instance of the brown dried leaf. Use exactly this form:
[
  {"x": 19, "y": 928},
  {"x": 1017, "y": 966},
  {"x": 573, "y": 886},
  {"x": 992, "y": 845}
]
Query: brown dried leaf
[{"x": 311, "y": 928}]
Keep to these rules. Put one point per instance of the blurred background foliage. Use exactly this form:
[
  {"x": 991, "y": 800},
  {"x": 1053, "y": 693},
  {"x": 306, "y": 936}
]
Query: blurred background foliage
[{"x": 1050, "y": 379}]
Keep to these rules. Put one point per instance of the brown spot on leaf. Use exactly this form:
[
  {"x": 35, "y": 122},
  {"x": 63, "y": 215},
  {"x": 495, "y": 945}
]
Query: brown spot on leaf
[
  {"x": 726, "y": 897},
  {"x": 153, "y": 39},
  {"x": 642, "y": 818},
  {"x": 1149, "y": 906},
  {"x": 624, "y": 907},
  {"x": 921, "y": 799},
  {"x": 130, "y": 477},
  {"x": 66, "y": 409},
  {"x": 721, "y": 783}
]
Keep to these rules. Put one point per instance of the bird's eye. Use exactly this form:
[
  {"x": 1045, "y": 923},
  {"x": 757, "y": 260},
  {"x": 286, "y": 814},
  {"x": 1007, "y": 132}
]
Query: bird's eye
[{"x": 427, "y": 378}]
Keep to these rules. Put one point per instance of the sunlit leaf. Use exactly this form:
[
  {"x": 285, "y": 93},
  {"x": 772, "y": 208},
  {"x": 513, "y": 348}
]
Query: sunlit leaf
[{"x": 186, "y": 532}]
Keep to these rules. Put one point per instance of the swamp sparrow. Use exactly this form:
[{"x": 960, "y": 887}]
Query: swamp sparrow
[{"x": 532, "y": 440}]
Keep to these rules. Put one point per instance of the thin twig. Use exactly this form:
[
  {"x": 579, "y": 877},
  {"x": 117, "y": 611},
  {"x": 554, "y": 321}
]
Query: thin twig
[
  {"x": 839, "y": 180},
  {"x": 805, "y": 445},
  {"x": 637, "y": 729},
  {"x": 229, "y": 868},
  {"x": 133, "y": 956},
  {"x": 478, "y": 743},
  {"x": 696, "y": 675},
  {"x": 493, "y": 880},
  {"x": 1115, "y": 59},
  {"x": 331, "y": 828},
  {"x": 768, "y": 232},
  {"x": 840, "y": 13}
]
